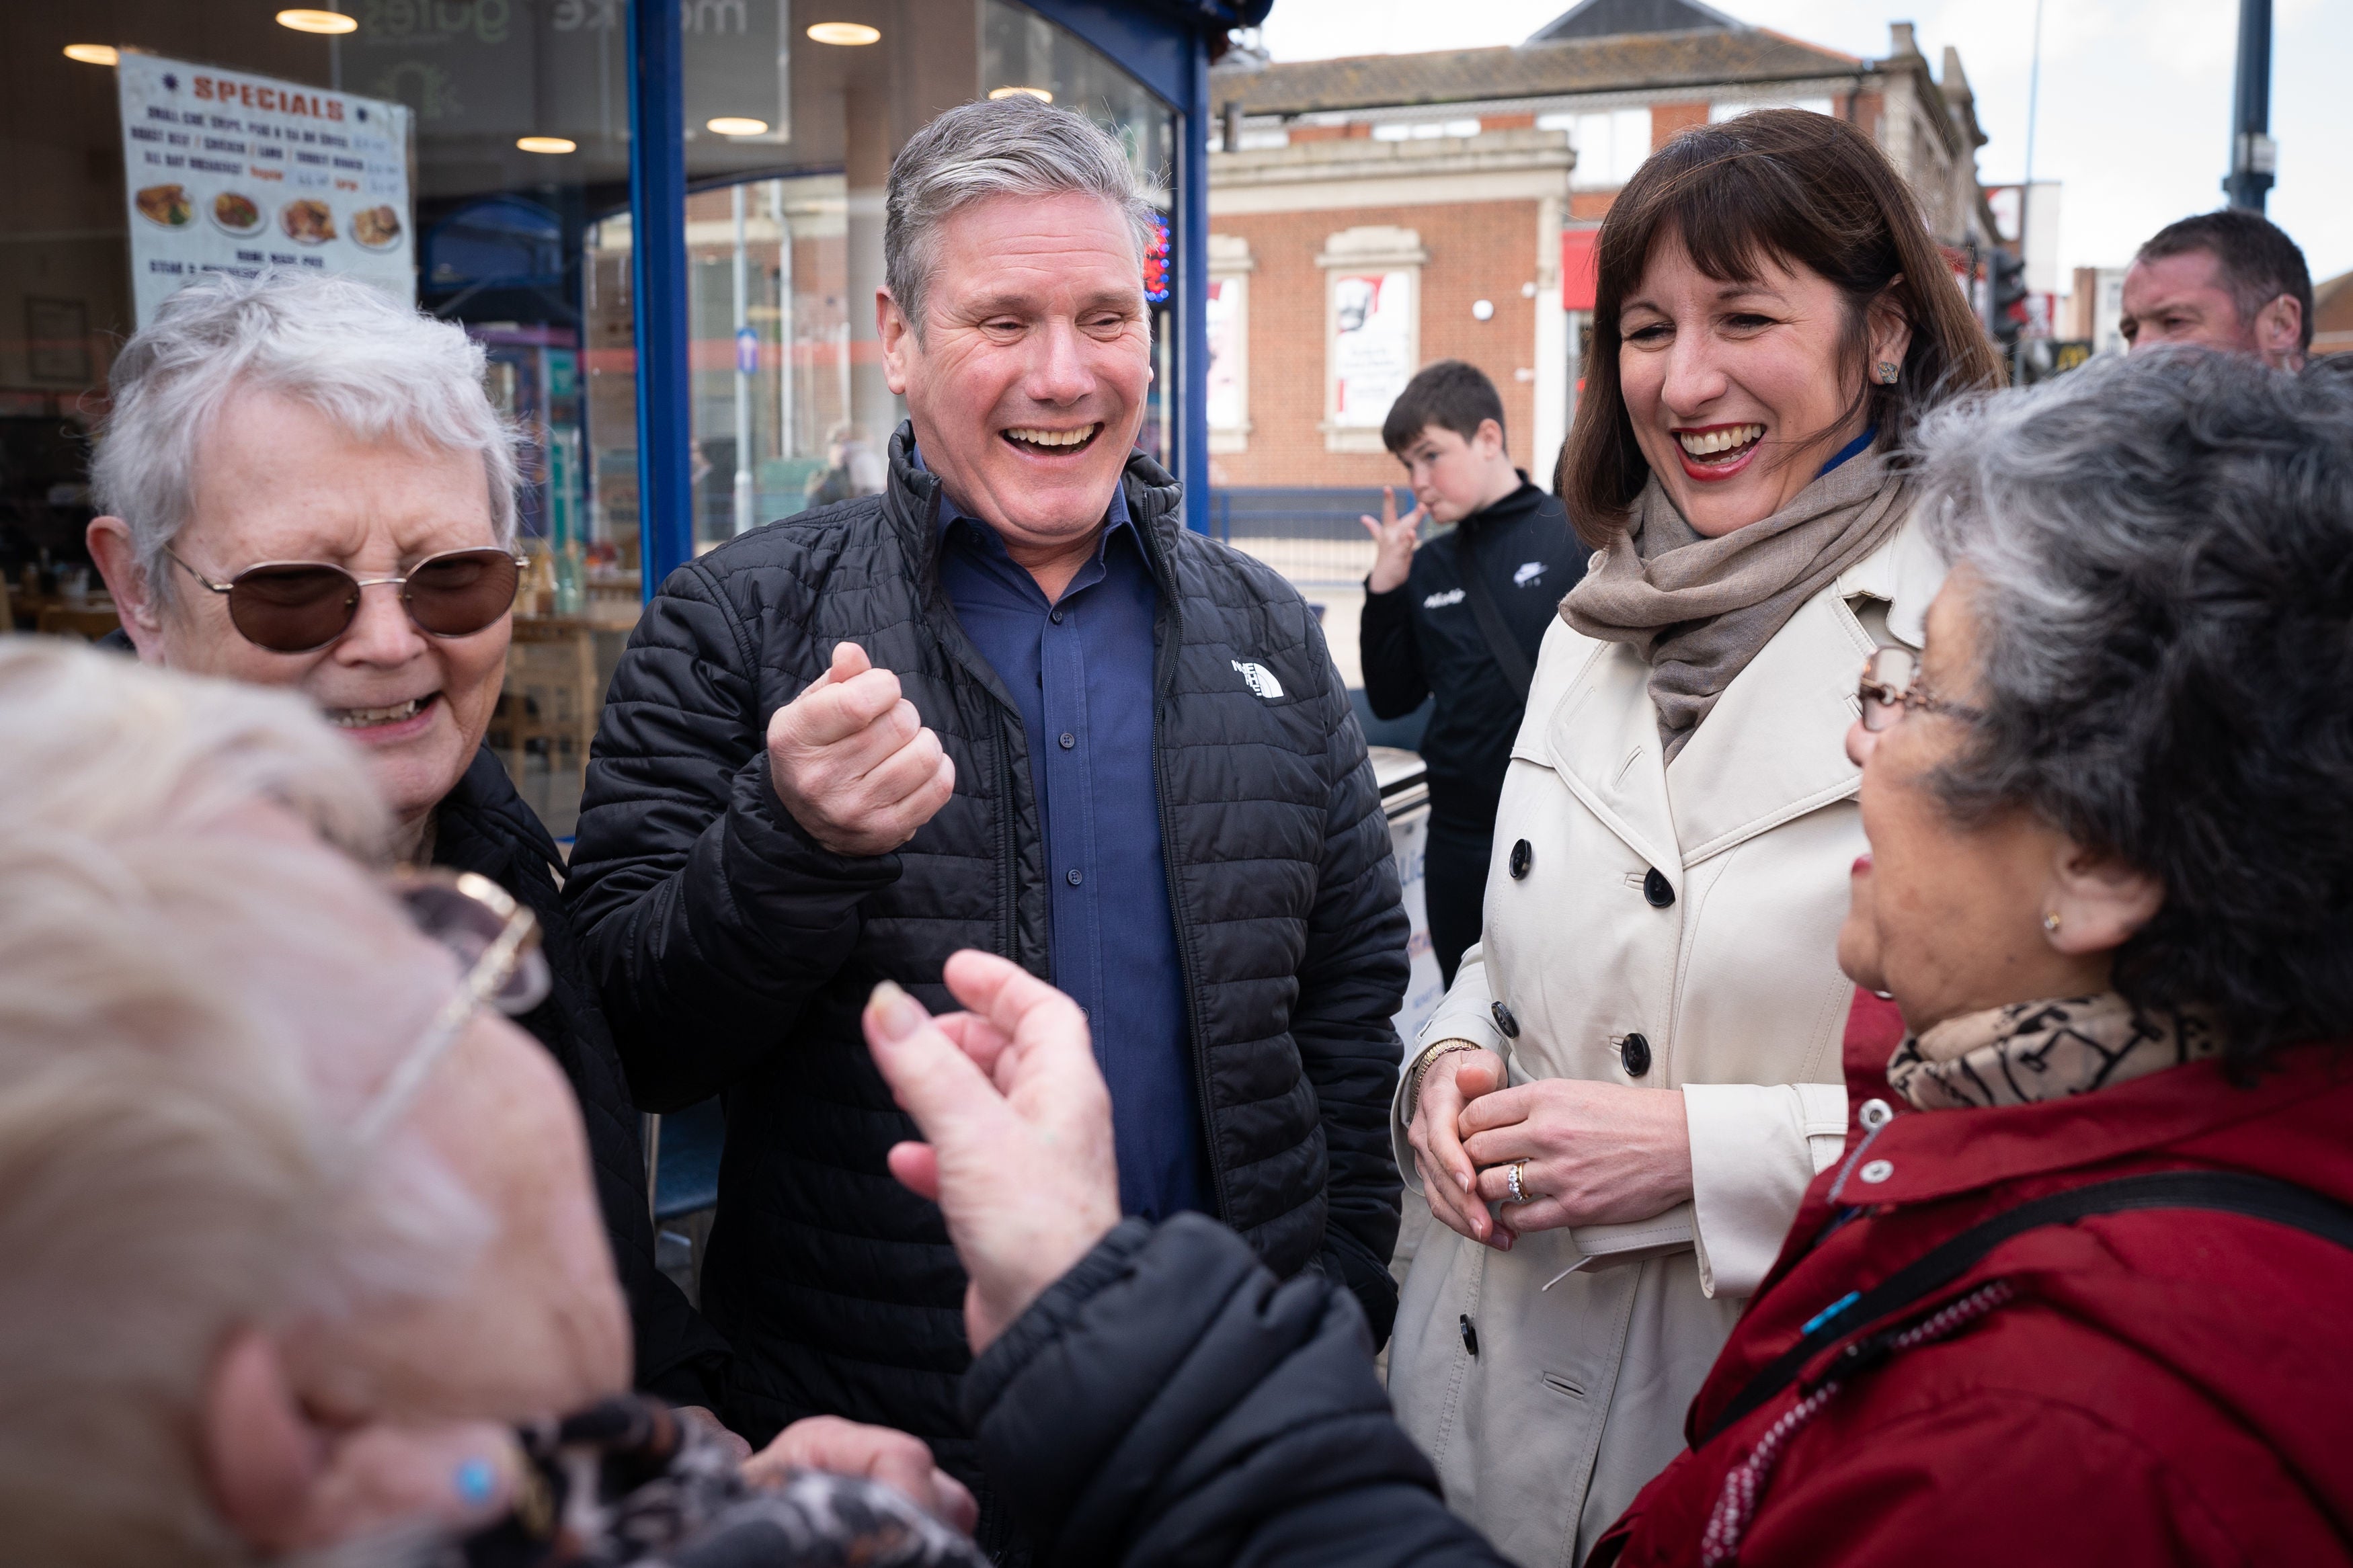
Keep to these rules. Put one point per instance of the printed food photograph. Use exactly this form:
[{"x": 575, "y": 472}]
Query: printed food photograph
[
  {"x": 166, "y": 205},
  {"x": 378, "y": 227},
  {"x": 238, "y": 215},
  {"x": 307, "y": 221}
]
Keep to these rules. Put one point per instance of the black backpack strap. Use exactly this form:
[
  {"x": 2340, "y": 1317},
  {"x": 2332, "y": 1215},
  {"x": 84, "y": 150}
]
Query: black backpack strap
[
  {"x": 1510, "y": 657},
  {"x": 2225, "y": 1192}
]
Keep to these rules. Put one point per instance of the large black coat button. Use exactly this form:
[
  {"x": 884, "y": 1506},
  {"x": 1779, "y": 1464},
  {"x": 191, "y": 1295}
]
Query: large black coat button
[
  {"x": 1469, "y": 1334},
  {"x": 1634, "y": 1055},
  {"x": 1657, "y": 889},
  {"x": 1504, "y": 1021},
  {"x": 1521, "y": 858}
]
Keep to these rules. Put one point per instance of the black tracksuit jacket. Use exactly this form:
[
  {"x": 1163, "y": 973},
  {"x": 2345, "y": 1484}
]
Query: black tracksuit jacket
[{"x": 1423, "y": 639}]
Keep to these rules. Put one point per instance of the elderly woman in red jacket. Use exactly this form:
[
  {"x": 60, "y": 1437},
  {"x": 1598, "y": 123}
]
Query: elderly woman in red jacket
[{"x": 2074, "y": 1292}]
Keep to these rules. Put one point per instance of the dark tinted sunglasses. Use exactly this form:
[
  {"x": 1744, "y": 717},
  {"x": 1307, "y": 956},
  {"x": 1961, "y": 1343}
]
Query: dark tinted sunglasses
[{"x": 294, "y": 606}]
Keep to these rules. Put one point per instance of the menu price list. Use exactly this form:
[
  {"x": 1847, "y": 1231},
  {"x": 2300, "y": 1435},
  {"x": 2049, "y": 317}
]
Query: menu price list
[{"x": 230, "y": 173}]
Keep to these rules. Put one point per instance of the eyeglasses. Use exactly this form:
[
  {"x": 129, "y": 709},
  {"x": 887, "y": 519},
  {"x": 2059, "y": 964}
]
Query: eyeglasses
[
  {"x": 1891, "y": 683},
  {"x": 294, "y": 606},
  {"x": 496, "y": 939}
]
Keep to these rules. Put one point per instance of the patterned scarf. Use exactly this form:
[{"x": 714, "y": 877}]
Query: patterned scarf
[
  {"x": 626, "y": 1484},
  {"x": 2033, "y": 1051},
  {"x": 1699, "y": 609}
]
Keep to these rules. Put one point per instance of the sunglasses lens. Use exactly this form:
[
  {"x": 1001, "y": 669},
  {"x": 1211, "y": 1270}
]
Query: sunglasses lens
[
  {"x": 293, "y": 608},
  {"x": 457, "y": 594},
  {"x": 469, "y": 928}
]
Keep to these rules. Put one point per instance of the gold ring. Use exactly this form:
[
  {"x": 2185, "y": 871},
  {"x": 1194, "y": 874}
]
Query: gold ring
[{"x": 1519, "y": 1192}]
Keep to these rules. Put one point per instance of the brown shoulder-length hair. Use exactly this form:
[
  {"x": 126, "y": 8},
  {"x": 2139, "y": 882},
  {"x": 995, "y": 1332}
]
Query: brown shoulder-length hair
[{"x": 1806, "y": 191}]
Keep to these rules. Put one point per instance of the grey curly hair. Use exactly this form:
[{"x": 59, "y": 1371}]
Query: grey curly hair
[{"x": 2161, "y": 549}]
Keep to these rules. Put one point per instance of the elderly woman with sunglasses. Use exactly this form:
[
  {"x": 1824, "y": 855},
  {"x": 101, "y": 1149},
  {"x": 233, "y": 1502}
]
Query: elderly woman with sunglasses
[{"x": 304, "y": 484}]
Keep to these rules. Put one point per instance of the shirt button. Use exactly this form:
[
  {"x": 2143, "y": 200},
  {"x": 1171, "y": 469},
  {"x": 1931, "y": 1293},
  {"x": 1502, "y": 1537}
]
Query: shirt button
[
  {"x": 1055, "y": 617},
  {"x": 1657, "y": 889},
  {"x": 1634, "y": 1056},
  {"x": 1523, "y": 857},
  {"x": 1875, "y": 1114},
  {"x": 1075, "y": 878},
  {"x": 1068, "y": 740},
  {"x": 1504, "y": 1021},
  {"x": 1877, "y": 1170}
]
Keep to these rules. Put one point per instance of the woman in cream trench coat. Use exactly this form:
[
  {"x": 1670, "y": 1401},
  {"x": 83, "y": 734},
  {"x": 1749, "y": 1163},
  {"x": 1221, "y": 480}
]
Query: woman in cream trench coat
[
  {"x": 1648, "y": 1037},
  {"x": 1694, "y": 909}
]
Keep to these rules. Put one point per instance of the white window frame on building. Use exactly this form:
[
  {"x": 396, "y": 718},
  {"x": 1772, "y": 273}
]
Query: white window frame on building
[
  {"x": 1395, "y": 255},
  {"x": 1230, "y": 265},
  {"x": 1610, "y": 143}
]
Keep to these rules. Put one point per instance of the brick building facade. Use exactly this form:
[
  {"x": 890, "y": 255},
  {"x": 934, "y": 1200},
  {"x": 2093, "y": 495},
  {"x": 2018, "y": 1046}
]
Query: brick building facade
[{"x": 1369, "y": 216}]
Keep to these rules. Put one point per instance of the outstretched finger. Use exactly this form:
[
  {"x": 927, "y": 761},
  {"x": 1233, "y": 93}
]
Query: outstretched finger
[
  {"x": 1389, "y": 506},
  {"x": 944, "y": 1090},
  {"x": 1022, "y": 1007}
]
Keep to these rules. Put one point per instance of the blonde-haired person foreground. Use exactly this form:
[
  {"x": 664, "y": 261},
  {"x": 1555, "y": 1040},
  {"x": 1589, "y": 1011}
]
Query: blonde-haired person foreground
[{"x": 301, "y": 1246}]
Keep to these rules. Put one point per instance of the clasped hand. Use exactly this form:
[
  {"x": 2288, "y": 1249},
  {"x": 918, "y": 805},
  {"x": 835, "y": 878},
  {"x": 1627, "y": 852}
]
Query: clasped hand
[{"x": 1596, "y": 1154}]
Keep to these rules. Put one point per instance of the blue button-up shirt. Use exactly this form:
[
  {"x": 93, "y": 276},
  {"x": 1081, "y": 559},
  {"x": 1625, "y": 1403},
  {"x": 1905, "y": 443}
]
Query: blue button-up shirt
[{"x": 1080, "y": 668}]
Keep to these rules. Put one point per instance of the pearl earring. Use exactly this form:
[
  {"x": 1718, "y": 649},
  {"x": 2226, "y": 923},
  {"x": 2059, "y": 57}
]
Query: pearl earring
[
  {"x": 1888, "y": 373},
  {"x": 2051, "y": 921}
]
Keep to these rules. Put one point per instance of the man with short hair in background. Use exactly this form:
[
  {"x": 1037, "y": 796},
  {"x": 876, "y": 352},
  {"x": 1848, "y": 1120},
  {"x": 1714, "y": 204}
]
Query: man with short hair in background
[
  {"x": 1461, "y": 618},
  {"x": 1012, "y": 704},
  {"x": 2229, "y": 280}
]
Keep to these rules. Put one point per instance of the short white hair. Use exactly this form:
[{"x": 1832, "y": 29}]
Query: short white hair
[
  {"x": 377, "y": 368},
  {"x": 1011, "y": 146},
  {"x": 187, "y": 1031}
]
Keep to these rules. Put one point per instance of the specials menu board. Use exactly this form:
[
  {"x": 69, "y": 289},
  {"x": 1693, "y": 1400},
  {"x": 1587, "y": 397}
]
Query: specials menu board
[{"x": 231, "y": 172}]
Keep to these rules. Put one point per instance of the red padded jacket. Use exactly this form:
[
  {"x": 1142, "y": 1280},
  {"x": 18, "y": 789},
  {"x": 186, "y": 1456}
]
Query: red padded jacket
[{"x": 2155, "y": 1386}]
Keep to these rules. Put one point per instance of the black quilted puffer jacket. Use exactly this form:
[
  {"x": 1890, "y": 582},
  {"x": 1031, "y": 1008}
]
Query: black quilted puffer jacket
[{"x": 734, "y": 953}]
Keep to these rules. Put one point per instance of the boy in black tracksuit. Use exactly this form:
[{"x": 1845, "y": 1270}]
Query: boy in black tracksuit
[{"x": 1424, "y": 631}]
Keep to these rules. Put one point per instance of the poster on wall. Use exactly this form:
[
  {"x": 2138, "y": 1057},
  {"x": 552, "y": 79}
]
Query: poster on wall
[
  {"x": 1372, "y": 345},
  {"x": 231, "y": 172},
  {"x": 1225, "y": 353}
]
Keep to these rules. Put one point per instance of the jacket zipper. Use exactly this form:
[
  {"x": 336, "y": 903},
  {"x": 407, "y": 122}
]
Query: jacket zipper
[{"x": 1188, "y": 962}]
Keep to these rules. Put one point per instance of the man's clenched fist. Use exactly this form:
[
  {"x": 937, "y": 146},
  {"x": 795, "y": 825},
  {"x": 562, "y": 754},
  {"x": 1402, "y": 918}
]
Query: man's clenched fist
[{"x": 852, "y": 762}]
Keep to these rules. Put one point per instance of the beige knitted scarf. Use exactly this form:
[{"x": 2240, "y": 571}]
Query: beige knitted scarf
[
  {"x": 1698, "y": 609},
  {"x": 2033, "y": 1051}
]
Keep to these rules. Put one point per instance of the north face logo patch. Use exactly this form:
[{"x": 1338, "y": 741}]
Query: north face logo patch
[{"x": 1259, "y": 678}]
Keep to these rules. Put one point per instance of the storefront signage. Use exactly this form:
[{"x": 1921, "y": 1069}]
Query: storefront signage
[{"x": 231, "y": 172}]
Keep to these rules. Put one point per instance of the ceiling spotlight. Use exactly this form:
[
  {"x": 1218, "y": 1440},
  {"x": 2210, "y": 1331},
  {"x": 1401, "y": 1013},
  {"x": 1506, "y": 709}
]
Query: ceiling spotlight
[
  {"x": 547, "y": 144},
  {"x": 736, "y": 125},
  {"x": 318, "y": 21},
  {"x": 92, "y": 54},
  {"x": 844, "y": 33},
  {"x": 1040, "y": 93}
]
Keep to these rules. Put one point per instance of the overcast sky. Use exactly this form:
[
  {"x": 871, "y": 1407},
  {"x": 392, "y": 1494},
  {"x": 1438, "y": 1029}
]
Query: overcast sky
[{"x": 2135, "y": 102}]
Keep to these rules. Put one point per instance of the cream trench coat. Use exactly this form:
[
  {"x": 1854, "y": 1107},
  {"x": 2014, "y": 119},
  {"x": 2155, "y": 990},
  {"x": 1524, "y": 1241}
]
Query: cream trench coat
[{"x": 1577, "y": 1393}]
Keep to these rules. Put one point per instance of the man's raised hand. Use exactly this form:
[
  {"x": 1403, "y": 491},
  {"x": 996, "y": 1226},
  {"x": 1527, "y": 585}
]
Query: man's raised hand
[
  {"x": 852, "y": 762},
  {"x": 1019, "y": 1156}
]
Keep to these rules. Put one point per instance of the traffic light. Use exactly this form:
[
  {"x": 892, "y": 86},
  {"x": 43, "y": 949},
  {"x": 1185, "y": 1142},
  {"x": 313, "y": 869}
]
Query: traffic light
[{"x": 2007, "y": 304}]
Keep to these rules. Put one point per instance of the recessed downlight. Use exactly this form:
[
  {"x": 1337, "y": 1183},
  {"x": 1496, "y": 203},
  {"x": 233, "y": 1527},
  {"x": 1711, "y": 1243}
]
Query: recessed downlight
[
  {"x": 307, "y": 21},
  {"x": 1040, "y": 93},
  {"x": 94, "y": 54},
  {"x": 844, "y": 33},
  {"x": 736, "y": 125},
  {"x": 547, "y": 144}
]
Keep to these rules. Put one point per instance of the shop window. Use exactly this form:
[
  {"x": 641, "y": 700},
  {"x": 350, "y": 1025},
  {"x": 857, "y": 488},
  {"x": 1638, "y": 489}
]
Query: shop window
[
  {"x": 1228, "y": 321},
  {"x": 511, "y": 217},
  {"x": 1372, "y": 332}
]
